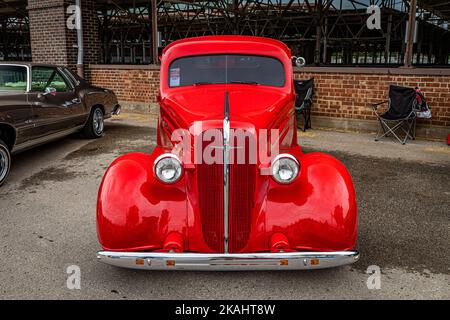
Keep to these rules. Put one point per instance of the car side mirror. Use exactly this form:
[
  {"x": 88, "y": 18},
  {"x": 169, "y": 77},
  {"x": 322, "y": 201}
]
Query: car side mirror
[
  {"x": 299, "y": 61},
  {"x": 48, "y": 91}
]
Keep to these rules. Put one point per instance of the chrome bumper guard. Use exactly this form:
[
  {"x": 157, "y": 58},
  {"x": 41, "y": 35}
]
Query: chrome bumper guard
[
  {"x": 117, "y": 110},
  {"x": 228, "y": 262}
]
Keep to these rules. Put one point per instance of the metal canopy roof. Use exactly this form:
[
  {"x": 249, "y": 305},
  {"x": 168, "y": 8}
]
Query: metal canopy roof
[
  {"x": 439, "y": 8},
  {"x": 323, "y": 29},
  {"x": 15, "y": 8}
]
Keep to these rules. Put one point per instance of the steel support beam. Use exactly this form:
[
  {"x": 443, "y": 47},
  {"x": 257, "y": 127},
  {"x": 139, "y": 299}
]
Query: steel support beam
[
  {"x": 410, "y": 34},
  {"x": 154, "y": 19}
]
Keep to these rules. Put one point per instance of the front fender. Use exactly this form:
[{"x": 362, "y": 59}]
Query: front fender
[
  {"x": 318, "y": 211},
  {"x": 134, "y": 210}
]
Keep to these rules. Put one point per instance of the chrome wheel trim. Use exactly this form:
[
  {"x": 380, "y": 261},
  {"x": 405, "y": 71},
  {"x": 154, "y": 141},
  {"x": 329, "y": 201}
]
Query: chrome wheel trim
[
  {"x": 4, "y": 163},
  {"x": 98, "y": 122}
]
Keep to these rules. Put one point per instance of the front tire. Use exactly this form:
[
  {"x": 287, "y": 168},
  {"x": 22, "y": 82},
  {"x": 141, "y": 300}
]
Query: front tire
[
  {"x": 5, "y": 162},
  {"x": 95, "y": 125}
]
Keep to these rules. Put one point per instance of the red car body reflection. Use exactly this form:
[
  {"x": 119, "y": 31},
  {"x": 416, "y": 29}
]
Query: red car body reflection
[{"x": 136, "y": 212}]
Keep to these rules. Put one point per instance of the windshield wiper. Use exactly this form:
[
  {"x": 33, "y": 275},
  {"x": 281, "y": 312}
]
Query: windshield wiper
[
  {"x": 244, "y": 82},
  {"x": 200, "y": 83}
]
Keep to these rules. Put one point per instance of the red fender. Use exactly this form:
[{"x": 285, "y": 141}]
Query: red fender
[
  {"x": 134, "y": 210},
  {"x": 318, "y": 211}
]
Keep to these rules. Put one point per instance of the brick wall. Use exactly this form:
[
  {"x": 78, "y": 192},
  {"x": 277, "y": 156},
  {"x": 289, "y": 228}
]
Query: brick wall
[
  {"x": 51, "y": 40},
  {"x": 134, "y": 84},
  {"x": 341, "y": 93},
  {"x": 48, "y": 31},
  {"x": 91, "y": 37},
  {"x": 346, "y": 95}
]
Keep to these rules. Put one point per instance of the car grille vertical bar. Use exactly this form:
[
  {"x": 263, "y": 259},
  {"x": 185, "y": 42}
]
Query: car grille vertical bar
[
  {"x": 226, "y": 171},
  {"x": 210, "y": 192},
  {"x": 242, "y": 184},
  {"x": 226, "y": 194},
  {"x": 242, "y": 188}
]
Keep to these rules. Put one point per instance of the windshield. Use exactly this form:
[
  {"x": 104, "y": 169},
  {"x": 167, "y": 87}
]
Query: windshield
[
  {"x": 220, "y": 69},
  {"x": 13, "y": 79}
]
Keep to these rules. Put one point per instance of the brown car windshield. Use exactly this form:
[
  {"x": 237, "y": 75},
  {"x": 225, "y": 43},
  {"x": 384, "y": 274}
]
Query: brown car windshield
[
  {"x": 226, "y": 69},
  {"x": 13, "y": 79}
]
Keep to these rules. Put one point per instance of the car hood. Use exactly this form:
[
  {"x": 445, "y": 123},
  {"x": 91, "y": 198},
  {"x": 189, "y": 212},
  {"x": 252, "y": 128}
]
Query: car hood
[{"x": 258, "y": 106}]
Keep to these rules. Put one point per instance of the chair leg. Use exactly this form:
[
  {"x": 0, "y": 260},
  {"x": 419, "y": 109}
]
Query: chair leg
[
  {"x": 390, "y": 130},
  {"x": 304, "y": 120},
  {"x": 309, "y": 119},
  {"x": 382, "y": 127},
  {"x": 409, "y": 132}
]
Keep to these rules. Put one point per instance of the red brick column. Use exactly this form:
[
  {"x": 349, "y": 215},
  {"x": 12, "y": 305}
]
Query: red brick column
[
  {"x": 48, "y": 31},
  {"x": 91, "y": 36},
  {"x": 51, "y": 40}
]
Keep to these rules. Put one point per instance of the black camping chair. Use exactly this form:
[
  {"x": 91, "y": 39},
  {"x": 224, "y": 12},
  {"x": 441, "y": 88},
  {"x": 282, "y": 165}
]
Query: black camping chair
[
  {"x": 400, "y": 115},
  {"x": 303, "y": 103}
]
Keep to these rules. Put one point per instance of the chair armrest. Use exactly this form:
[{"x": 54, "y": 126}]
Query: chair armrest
[{"x": 375, "y": 105}]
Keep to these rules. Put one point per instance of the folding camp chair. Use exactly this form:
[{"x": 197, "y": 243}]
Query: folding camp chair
[
  {"x": 400, "y": 115},
  {"x": 303, "y": 103}
]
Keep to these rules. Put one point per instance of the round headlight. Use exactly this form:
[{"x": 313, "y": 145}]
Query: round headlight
[
  {"x": 285, "y": 168},
  {"x": 168, "y": 168}
]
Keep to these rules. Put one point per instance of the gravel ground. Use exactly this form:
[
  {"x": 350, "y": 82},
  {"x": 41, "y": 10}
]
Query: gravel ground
[{"x": 47, "y": 223}]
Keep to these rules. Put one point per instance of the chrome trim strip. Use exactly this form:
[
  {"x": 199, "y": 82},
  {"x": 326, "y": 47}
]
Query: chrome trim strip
[
  {"x": 226, "y": 170},
  {"x": 228, "y": 261},
  {"x": 42, "y": 140},
  {"x": 59, "y": 120}
]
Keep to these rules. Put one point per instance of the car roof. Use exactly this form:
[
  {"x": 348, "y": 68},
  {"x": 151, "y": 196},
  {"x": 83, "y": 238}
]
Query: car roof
[
  {"x": 232, "y": 38},
  {"x": 28, "y": 64}
]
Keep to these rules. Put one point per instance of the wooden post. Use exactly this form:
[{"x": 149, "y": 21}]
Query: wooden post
[
  {"x": 410, "y": 34},
  {"x": 154, "y": 18}
]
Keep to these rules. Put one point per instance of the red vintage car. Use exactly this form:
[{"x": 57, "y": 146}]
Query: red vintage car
[{"x": 227, "y": 187}]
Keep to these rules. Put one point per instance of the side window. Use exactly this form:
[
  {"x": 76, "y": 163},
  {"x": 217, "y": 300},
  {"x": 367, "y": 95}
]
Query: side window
[
  {"x": 59, "y": 83},
  {"x": 43, "y": 77},
  {"x": 13, "y": 79}
]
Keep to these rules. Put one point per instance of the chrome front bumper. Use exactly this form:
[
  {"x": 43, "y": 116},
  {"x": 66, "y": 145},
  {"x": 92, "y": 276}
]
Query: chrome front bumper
[{"x": 228, "y": 262}]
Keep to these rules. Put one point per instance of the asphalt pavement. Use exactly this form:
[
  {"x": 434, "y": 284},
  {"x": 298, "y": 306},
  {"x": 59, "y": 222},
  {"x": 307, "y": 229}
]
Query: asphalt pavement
[{"x": 47, "y": 224}]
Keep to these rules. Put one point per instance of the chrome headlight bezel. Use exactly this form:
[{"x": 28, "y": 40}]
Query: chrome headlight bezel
[
  {"x": 168, "y": 158},
  {"x": 287, "y": 159}
]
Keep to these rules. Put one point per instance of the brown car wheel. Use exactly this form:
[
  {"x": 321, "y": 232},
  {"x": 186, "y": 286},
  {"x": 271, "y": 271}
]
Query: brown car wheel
[
  {"x": 95, "y": 125},
  {"x": 5, "y": 162}
]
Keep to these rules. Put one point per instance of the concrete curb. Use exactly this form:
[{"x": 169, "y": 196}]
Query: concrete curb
[
  {"x": 140, "y": 107},
  {"x": 371, "y": 126}
]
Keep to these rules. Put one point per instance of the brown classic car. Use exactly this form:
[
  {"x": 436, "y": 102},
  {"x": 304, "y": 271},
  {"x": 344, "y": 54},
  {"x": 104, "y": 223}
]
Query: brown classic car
[{"x": 40, "y": 103}]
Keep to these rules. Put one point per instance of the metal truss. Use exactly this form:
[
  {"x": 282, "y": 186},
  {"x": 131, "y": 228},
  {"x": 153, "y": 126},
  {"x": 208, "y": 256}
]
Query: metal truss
[
  {"x": 324, "y": 31},
  {"x": 14, "y": 28},
  {"x": 15, "y": 39}
]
